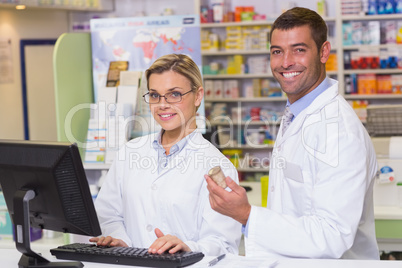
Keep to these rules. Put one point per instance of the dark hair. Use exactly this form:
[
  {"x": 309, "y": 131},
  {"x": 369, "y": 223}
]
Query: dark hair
[
  {"x": 299, "y": 16},
  {"x": 178, "y": 63}
]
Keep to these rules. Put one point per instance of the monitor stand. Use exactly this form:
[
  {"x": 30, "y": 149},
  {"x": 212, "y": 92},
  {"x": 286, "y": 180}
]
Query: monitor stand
[{"x": 29, "y": 258}]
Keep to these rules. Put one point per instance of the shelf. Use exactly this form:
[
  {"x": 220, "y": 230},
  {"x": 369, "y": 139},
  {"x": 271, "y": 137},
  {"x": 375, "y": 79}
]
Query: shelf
[
  {"x": 371, "y": 17},
  {"x": 362, "y": 46},
  {"x": 256, "y": 99},
  {"x": 375, "y": 71},
  {"x": 240, "y": 23},
  {"x": 387, "y": 213},
  {"x": 329, "y": 19},
  {"x": 249, "y": 147},
  {"x": 104, "y": 6},
  {"x": 249, "y": 23},
  {"x": 242, "y": 52},
  {"x": 374, "y": 96},
  {"x": 234, "y": 52},
  {"x": 253, "y": 170},
  {"x": 332, "y": 72},
  {"x": 245, "y": 123},
  {"x": 250, "y": 76},
  {"x": 236, "y": 76}
]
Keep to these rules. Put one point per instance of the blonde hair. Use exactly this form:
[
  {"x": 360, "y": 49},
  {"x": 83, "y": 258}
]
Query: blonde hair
[{"x": 178, "y": 63}]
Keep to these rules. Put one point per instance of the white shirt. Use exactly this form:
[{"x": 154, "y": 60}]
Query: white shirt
[
  {"x": 320, "y": 196},
  {"x": 135, "y": 198}
]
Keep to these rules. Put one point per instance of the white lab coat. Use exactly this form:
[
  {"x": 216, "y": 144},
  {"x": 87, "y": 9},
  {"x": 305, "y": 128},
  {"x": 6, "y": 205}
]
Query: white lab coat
[
  {"x": 320, "y": 195},
  {"x": 134, "y": 199}
]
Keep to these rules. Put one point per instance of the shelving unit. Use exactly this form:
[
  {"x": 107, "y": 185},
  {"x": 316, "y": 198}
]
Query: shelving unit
[
  {"x": 342, "y": 74},
  {"x": 278, "y": 102},
  {"x": 272, "y": 103}
]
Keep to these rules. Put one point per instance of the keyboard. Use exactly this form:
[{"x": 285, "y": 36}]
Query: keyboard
[{"x": 124, "y": 255}]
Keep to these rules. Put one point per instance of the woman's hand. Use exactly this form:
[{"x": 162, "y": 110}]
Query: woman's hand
[
  {"x": 169, "y": 243},
  {"x": 108, "y": 241}
]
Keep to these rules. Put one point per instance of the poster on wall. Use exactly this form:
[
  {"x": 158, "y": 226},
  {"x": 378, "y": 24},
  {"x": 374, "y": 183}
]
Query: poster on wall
[{"x": 140, "y": 41}]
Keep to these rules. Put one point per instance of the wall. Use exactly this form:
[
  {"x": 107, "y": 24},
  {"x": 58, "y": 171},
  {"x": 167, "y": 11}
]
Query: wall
[{"x": 17, "y": 25}]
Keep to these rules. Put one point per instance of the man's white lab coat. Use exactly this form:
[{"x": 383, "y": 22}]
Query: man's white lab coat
[{"x": 320, "y": 196}]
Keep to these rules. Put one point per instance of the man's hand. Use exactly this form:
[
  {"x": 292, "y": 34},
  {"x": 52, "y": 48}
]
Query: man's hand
[
  {"x": 108, "y": 241},
  {"x": 233, "y": 204},
  {"x": 167, "y": 242}
]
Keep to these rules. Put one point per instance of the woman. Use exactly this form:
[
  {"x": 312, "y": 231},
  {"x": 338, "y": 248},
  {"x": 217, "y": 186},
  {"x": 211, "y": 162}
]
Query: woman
[{"x": 155, "y": 195}]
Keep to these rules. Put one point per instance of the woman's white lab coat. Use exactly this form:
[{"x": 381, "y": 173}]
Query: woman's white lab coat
[
  {"x": 135, "y": 199},
  {"x": 320, "y": 196}
]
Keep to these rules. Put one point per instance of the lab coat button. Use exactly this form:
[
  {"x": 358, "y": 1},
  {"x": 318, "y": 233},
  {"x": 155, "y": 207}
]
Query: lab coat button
[
  {"x": 154, "y": 187},
  {"x": 149, "y": 228}
]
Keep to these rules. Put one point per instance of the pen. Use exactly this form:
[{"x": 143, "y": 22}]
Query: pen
[{"x": 216, "y": 260}]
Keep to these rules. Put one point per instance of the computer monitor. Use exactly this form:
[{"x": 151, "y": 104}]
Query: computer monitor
[{"x": 45, "y": 186}]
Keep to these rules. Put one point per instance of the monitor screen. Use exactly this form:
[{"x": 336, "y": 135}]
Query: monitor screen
[{"x": 54, "y": 171}]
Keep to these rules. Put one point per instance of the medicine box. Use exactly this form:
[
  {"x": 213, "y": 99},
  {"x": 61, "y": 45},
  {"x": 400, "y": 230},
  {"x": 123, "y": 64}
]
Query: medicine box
[
  {"x": 230, "y": 89},
  {"x": 349, "y": 7},
  {"x": 366, "y": 84},
  {"x": 357, "y": 32},
  {"x": 347, "y": 34},
  {"x": 373, "y": 30},
  {"x": 218, "y": 89},
  {"x": 6, "y": 227},
  {"x": 384, "y": 84},
  {"x": 389, "y": 28},
  {"x": 209, "y": 88},
  {"x": 399, "y": 32}
]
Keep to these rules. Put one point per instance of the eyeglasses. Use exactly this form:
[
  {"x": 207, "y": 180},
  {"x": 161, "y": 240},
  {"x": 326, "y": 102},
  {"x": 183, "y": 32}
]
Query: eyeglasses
[{"x": 171, "y": 97}]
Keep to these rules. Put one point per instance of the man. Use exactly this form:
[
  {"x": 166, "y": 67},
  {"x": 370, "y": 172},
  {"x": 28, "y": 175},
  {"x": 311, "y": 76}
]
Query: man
[{"x": 320, "y": 198}]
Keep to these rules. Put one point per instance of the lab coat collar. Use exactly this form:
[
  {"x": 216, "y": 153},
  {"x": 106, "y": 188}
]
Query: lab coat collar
[
  {"x": 319, "y": 102},
  {"x": 195, "y": 142},
  {"x": 157, "y": 143}
]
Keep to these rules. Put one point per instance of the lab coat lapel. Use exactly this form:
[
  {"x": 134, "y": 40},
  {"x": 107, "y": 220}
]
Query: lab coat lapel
[
  {"x": 296, "y": 125},
  {"x": 293, "y": 129}
]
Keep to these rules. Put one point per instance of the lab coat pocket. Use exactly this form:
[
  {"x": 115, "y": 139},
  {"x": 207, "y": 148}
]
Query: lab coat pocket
[
  {"x": 293, "y": 171},
  {"x": 294, "y": 193}
]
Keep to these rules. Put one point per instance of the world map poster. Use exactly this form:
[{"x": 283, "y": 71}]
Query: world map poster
[{"x": 140, "y": 41}]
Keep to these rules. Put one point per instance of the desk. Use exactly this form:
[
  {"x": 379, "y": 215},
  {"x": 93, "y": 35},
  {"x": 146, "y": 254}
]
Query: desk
[{"x": 10, "y": 258}]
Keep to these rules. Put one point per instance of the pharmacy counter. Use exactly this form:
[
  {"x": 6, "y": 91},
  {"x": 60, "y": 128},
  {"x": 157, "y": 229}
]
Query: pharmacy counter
[{"x": 10, "y": 258}]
